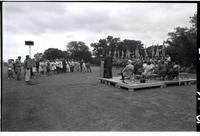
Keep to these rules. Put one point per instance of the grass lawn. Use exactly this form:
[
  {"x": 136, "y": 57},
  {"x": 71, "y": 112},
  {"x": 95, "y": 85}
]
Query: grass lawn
[{"x": 79, "y": 102}]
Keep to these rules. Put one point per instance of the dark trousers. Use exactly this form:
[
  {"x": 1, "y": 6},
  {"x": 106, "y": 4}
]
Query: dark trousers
[
  {"x": 107, "y": 72},
  {"x": 18, "y": 75},
  {"x": 122, "y": 76},
  {"x": 72, "y": 69},
  {"x": 81, "y": 68}
]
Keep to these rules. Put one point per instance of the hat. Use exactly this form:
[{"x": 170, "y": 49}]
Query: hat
[{"x": 129, "y": 61}]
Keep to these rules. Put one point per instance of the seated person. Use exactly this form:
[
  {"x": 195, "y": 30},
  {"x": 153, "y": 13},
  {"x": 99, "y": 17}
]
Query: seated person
[
  {"x": 148, "y": 69},
  {"x": 169, "y": 71},
  {"x": 162, "y": 70},
  {"x": 168, "y": 58},
  {"x": 128, "y": 71},
  {"x": 152, "y": 65},
  {"x": 156, "y": 68},
  {"x": 138, "y": 68},
  {"x": 175, "y": 70}
]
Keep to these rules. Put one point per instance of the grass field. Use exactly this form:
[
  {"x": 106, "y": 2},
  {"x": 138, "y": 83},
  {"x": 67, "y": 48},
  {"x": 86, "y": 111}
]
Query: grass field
[{"x": 78, "y": 102}]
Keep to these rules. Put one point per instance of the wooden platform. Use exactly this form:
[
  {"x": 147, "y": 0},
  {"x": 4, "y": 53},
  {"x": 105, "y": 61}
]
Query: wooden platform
[
  {"x": 179, "y": 82},
  {"x": 132, "y": 85}
]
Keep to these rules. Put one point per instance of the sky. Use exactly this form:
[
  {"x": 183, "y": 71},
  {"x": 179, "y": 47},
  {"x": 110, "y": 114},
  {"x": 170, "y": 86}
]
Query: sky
[{"x": 55, "y": 24}]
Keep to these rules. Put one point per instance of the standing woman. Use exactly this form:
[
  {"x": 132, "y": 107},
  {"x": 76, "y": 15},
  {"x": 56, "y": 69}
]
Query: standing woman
[
  {"x": 34, "y": 69},
  {"x": 84, "y": 67},
  {"x": 41, "y": 67},
  {"x": 27, "y": 67},
  {"x": 68, "y": 66}
]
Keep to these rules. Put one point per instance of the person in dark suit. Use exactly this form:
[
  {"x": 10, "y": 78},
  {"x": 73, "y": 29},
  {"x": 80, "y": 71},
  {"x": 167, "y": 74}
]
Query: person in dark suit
[
  {"x": 28, "y": 67},
  {"x": 18, "y": 66},
  {"x": 81, "y": 65},
  {"x": 64, "y": 69},
  {"x": 108, "y": 66}
]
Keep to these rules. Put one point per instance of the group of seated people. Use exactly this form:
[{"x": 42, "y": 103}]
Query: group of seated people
[{"x": 144, "y": 70}]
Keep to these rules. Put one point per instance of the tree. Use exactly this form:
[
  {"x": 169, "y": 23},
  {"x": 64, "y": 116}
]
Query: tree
[
  {"x": 66, "y": 55},
  {"x": 112, "y": 44},
  {"x": 182, "y": 44},
  {"x": 53, "y": 53},
  {"x": 98, "y": 48},
  {"x": 121, "y": 48},
  {"x": 79, "y": 50},
  {"x": 193, "y": 21},
  {"x": 38, "y": 56},
  {"x": 131, "y": 45},
  {"x": 154, "y": 48}
]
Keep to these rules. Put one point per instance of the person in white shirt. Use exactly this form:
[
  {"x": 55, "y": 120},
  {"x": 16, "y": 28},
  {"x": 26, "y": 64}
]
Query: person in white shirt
[
  {"x": 84, "y": 67},
  {"x": 77, "y": 66},
  {"x": 147, "y": 70},
  {"x": 53, "y": 67},
  {"x": 168, "y": 58},
  {"x": 68, "y": 66}
]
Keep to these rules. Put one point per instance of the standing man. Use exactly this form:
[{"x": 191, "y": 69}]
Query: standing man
[
  {"x": 88, "y": 67},
  {"x": 108, "y": 67},
  {"x": 18, "y": 66},
  {"x": 81, "y": 65},
  {"x": 37, "y": 66},
  {"x": 64, "y": 66},
  {"x": 27, "y": 68}
]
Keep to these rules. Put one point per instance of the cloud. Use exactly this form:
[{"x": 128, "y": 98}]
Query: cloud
[{"x": 52, "y": 24}]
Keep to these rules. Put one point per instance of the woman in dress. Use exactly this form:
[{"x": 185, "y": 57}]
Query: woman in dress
[{"x": 34, "y": 69}]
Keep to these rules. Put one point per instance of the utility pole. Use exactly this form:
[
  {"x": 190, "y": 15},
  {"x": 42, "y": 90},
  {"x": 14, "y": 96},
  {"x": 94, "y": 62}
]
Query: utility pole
[{"x": 29, "y": 43}]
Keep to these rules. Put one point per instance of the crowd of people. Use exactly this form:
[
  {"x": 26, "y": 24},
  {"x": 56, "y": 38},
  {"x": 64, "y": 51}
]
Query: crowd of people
[
  {"x": 33, "y": 68},
  {"x": 146, "y": 69},
  {"x": 136, "y": 68}
]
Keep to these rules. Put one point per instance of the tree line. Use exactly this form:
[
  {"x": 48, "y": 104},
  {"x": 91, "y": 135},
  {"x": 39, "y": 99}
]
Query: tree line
[{"x": 181, "y": 45}]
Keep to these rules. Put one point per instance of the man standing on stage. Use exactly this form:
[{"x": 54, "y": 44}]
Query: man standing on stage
[{"x": 108, "y": 67}]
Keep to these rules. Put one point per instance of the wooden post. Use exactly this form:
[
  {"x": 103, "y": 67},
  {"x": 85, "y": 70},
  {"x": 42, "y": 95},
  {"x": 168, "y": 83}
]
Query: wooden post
[
  {"x": 102, "y": 69},
  {"x": 29, "y": 43}
]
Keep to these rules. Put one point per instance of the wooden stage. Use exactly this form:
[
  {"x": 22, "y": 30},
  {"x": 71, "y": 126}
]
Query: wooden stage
[{"x": 132, "y": 85}]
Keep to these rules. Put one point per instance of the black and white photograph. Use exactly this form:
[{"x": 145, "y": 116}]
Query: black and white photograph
[{"x": 99, "y": 66}]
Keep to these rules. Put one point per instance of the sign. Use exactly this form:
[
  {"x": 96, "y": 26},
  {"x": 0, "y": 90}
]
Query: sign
[{"x": 30, "y": 43}]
